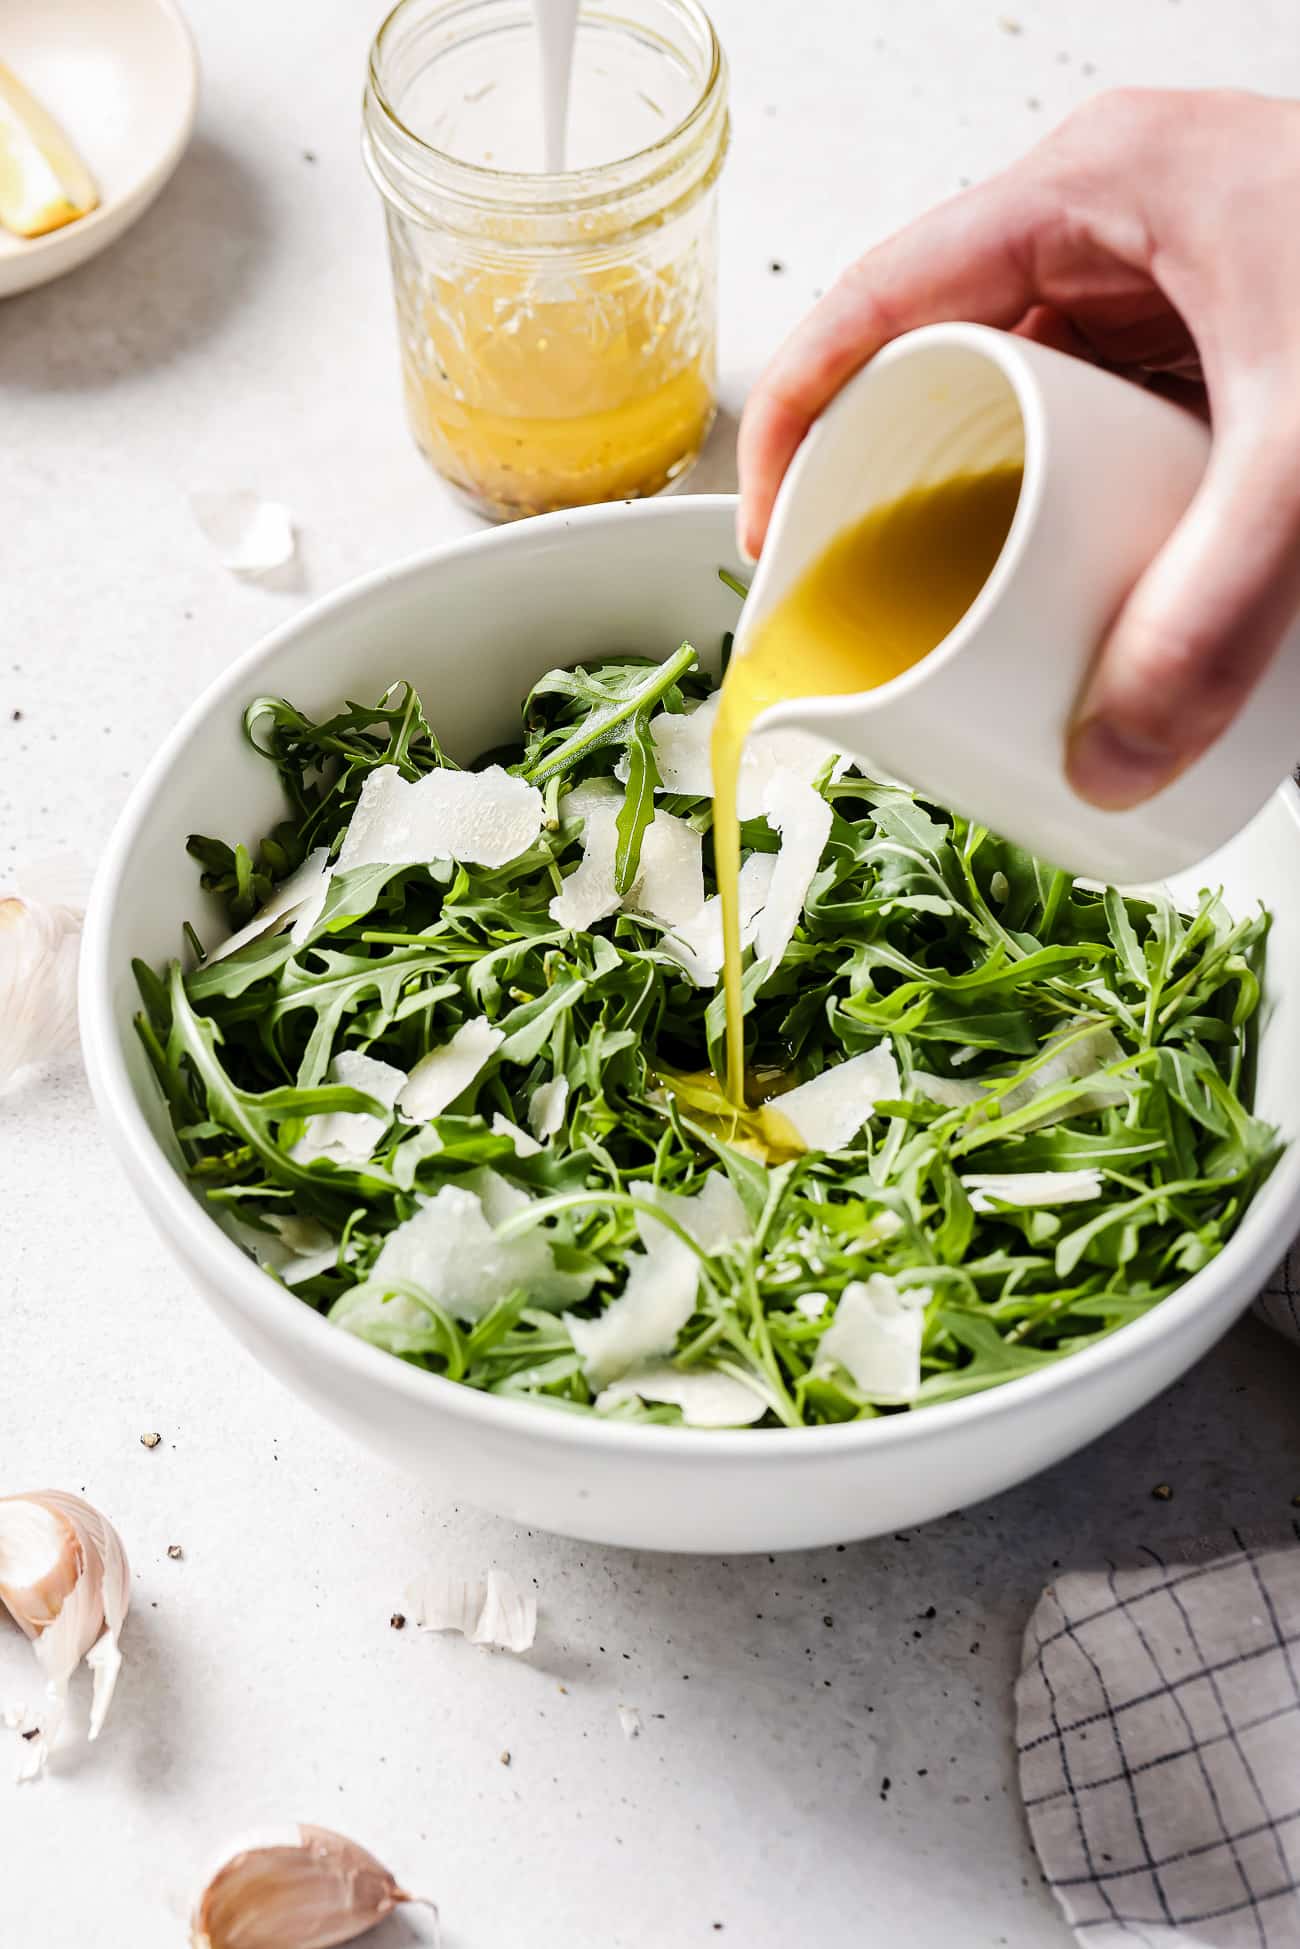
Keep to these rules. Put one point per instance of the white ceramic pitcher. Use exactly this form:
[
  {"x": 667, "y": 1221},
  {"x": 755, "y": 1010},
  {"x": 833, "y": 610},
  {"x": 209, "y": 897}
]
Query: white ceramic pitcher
[{"x": 980, "y": 724}]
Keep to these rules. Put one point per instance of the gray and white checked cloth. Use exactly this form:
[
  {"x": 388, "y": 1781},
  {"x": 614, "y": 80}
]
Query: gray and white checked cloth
[{"x": 1158, "y": 1727}]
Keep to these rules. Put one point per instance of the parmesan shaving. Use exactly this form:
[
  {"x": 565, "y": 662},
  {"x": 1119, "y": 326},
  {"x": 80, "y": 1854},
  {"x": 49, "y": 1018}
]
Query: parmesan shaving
[
  {"x": 589, "y": 893},
  {"x": 803, "y": 818},
  {"x": 447, "y": 1072},
  {"x": 350, "y": 1136},
  {"x": 643, "y": 1323},
  {"x": 707, "y": 1397},
  {"x": 641, "y": 1326},
  {"x": 989, "y": 1189},
  {"x": 876, "y": 1337},
  {"x": 298, "y": 899},
  {"x": 525, "y": 1146},
  {"x": 450, "y": 1251},
  {"x": 670, "y": 879},
  {"x": 697, "y": 946},
  {"x": 714, "y": 1217},
  {"x": 546, "y": 1108},
  {"x": 670, "y": 886},
  {"x": 1073, "y": 1053},
  {"x": 629, "y": 1717},
  {"x": 829, "y": 1111},
  {"x": 486, "y": 818},
  {"x": 682, "y": 754}
]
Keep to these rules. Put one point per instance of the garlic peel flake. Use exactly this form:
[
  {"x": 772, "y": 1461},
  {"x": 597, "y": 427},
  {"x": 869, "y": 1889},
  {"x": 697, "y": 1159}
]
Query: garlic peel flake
[{"x": 495, "y": 1610}]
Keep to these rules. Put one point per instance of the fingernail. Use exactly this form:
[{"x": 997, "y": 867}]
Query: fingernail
[
  {"x": 1116, "y": 769},
  {"x": 744, "y": 536}
]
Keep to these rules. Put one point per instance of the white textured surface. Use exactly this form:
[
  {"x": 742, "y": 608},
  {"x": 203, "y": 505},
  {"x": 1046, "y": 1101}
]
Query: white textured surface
[{"x": 241, "y": 337}]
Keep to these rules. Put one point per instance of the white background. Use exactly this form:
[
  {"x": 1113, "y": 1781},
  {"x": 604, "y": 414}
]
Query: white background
[{"x": 241, "y": 336}]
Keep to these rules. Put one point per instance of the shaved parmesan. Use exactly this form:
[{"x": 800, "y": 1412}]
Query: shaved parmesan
[
  {"x": 829, "y": 1111},
  {"x": 1072, "y": 1053},
  {"x": 629, "y": 1717},
  {"x": 876, "y": 1337},
  {"x": 707, "y": 1397},
  {"x": 593, "y": 795},
  {"x": 670, "y": 886},
  {"x": 682, "y": 754},
  {"x": 714, "y": 1217},
  {"x": 450, "y": 1251},
  {"x": 1074, "y": 1056},
  {"x": 447, "y": 1072},
  {"x": 589, "y": 893},
  {"x": 802, "y": 817},
  {"x": 670, "y": 880},
  {"x": 298, "y": 899},
  {"x": 950, "y": 1092},
  {"x": 641, "y": 1326},
  {"x": 812, "y": 1305},
  {"x": 485, "y": 818},
  {"x": 697, "y": 946},
  {"x": 643, "y": 1323},
  {"x": 546, "y": 1107},
  {"x": 525, "y": 1146},
  {"x": 306, "y": 1248},
  {"x": 495, "y": 1610},
  {"x": 989, "y": 1189},
  {"x": 500, "y": 1199},
  {"x": 350, "y": 1136}
]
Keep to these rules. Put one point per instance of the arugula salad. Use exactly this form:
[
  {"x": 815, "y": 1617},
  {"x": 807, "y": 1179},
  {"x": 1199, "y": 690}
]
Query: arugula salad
[{"x": 451, "y": 1078}]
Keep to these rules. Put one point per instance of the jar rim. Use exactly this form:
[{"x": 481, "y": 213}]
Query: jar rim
[{"x": 556, "y": 189}]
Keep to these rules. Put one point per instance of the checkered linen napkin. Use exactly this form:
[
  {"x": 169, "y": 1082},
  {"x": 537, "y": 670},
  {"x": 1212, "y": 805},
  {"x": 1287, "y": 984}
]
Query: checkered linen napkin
[{"x": 1158, "y": 1726}]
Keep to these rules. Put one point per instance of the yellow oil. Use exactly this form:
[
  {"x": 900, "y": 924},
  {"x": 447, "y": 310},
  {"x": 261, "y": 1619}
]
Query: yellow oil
[
  {"x": 533, "y": 399},
  {"x": 754, "y": 1126},
  {"x": 882, "y": 596}
]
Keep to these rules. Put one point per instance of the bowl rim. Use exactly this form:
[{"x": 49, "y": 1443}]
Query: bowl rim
[{"x": 1247, "y": 1259}]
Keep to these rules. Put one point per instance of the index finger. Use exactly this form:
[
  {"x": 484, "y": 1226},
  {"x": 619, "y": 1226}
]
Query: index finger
[{"x": 966, "y": 259}]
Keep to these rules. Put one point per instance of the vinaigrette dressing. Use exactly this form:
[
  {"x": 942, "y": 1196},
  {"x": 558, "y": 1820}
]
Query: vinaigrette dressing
[{"x": 882, "y": 596}]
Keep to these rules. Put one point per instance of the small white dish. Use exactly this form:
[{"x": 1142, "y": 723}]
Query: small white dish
[
  {"x": 473, "y": 624},
  {"x": 122, "y": 78}
]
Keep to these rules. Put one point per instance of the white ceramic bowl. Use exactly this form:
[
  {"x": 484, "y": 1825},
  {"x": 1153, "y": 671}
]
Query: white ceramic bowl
[
  {"x": 472, "y": 625},
  {"x": 121, "y": 76}
]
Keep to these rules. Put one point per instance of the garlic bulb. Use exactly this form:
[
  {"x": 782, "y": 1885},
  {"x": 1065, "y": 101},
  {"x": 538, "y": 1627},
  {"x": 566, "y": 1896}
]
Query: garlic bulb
[
  {"x": 322, "y": 1891},
  {"x": 65, "y": 1581},
  {"x": 39, "y": 945}
]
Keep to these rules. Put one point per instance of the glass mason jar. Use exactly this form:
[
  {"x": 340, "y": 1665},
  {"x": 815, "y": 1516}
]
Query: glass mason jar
[{"x": 558, "y": 332}]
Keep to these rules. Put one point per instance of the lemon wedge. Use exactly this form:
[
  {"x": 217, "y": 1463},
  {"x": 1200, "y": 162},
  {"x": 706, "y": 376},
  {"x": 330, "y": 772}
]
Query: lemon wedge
[{"x": 43, "y": 181}]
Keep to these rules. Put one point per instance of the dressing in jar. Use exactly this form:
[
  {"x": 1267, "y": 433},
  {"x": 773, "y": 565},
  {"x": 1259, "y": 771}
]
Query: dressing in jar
[{"x": 558, "y": 330}]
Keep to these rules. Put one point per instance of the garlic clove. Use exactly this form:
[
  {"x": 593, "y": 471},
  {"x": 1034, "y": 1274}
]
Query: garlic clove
[
  {"x": 39, "y": 947},
  {"x": 324, "y": 1891},
  {"x": 65, "y": 1581}
]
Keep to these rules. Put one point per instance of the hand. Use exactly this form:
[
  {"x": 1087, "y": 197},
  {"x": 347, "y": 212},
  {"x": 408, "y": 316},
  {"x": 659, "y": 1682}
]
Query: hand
[{"x": 1156, "y": 234}]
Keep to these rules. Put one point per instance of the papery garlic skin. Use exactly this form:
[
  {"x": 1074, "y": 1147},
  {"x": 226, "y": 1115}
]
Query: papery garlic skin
[
  {"x": 324, "y": 1891},
  {"x": 65, "y": 1581},
  {"x": 39, "y": 948}
]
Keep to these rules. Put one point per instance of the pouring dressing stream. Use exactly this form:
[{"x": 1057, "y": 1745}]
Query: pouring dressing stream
[{"x": 884, "y": 594}]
